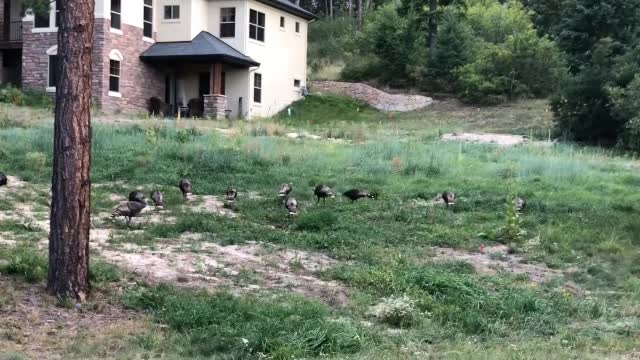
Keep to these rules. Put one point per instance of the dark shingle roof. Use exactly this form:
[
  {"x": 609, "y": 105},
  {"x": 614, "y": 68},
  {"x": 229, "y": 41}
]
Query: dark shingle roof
[
  {"x": 290, "y": 7},
  {"x": 203, "y": 48}
]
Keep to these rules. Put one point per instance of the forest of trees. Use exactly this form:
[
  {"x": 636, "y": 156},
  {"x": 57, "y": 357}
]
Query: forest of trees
[{"x": 581, "y": 54}]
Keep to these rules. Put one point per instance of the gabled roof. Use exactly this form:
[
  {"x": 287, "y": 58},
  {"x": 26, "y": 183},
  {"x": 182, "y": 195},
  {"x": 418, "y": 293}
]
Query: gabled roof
[
  {"x": 203, "y": 48},
  {"x": 291, "y": 8}
]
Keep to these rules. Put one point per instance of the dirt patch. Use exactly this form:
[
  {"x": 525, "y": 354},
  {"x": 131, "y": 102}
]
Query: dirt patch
[
  {"x": 241, "y": 268},
  {"x": 209, "y": 204},
  {"x": 497, "y": 139},
  {"x": 31, "y": 324},
  {"x": 496, "y": 259}
]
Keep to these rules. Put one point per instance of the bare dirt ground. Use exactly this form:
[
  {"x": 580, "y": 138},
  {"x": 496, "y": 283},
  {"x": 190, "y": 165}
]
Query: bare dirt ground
[
  {"x": 497, "y": 259},
  {"x": 32, "y": 324}
]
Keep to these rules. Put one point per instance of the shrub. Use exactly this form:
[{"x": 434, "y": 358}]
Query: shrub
[
  {"x": 398, "y": 311},
  {"x": 35, "y": 161},
  {"x": 101, "y": 272},
  {"x": 24, "y": 261},
  {"x": 15, "y": 96},
  {"x": 12, "y": 95},
  {"x": 626, "y": 107}
]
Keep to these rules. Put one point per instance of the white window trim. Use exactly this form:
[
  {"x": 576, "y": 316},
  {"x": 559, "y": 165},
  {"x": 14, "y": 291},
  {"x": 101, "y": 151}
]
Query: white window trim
[
  {"x": 264, "y": 28},
  {"x": 52, "y": 20},
  {"x": 36, "y": 30},
  {"x": 253, "y": 89},
  {"x": 234, "y": 22},
  {"x": 152, "y": 7},
  {"x": 257, "y": 42},
  {"x": 115, "y": 94},
  {"x": 112, "y": 29},
  {"x": 116, "y": 55},
  {"x": 283, "y": 28},
  {"x": 298, "y": 33},
  {"x": 172, "y": 19},
  {"x": 52, "y": 51},
  {"x": 149, "y": 40}
]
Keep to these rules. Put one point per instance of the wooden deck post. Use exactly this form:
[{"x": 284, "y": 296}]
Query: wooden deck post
[{"x": 215, "y": 79}]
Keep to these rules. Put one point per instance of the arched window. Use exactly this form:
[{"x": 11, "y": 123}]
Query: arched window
[{"x": 115, "y": 61}]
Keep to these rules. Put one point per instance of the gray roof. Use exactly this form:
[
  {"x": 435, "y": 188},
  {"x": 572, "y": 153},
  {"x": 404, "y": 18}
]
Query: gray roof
[
  {"x": 203, "y": 48},
  {"x": 290, "y": 7}
]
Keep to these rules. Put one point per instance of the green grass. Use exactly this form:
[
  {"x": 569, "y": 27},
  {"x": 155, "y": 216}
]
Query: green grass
[
  {"x": 222, "y": 324},
  {"x": 582, "y": 215}
]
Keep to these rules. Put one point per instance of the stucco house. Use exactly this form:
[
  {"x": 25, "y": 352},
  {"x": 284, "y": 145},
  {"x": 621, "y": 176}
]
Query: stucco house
[{"x": 241, "y": 58}]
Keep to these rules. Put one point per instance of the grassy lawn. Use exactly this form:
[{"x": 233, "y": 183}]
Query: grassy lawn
[{"x": 581, "y": 221}]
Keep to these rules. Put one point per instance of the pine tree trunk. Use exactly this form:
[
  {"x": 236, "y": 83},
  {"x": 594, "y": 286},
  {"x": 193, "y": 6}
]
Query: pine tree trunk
[
  {"x": 331, "y": 9},
  {"x": 433, "y": 26},
  {"x": 71, "y": 185},
  {"x": 359, "y": 15}
]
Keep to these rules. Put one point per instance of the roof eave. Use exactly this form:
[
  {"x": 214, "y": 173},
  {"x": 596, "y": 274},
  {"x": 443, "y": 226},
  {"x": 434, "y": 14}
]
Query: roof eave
[
  {"x": 199, "y": 58},
  {"x": 290, "y": 9}
]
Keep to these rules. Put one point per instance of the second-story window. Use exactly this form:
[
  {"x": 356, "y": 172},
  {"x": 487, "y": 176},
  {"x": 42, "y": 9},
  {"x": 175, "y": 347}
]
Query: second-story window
[
  {"x": 172, "y": 12},
  {"x": 147, "y": 20},
  {"x": 227, "y": 22},
  {"x": 114, "y": 76},
  {"x": 116, "y": 13},
  {"x": 297, "y": 27},
  {"x": 282, "y": 22},
  {"x": 42, "y": 19},
  {"x": 256, "y": 25}
]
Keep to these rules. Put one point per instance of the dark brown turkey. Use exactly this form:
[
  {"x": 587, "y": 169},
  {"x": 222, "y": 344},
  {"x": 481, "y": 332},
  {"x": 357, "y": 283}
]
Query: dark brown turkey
[
  {"x": 292, "y": 206},
  {"x": 136, "y": 196},
  {"x": 323, "y": 192},
  {"x": 231, "y": 193},
  {"x": 158, "y": 199},
  {"x": 186, "y": 188},
  {"x": 449, "y": 198},
  {"x": 355, "y": 194},
  {"x": 520, "y": 204},
  {"x": 285, "y": 189},
  {"x": 3, "y": 179},
  {"x": 129, "y": 210}
]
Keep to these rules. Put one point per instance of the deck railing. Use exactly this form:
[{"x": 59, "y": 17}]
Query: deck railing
[{"x": 12, "y": 33}]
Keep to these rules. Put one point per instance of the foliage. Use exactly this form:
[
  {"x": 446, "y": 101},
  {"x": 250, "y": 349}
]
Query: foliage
[
  {"x": 24, "y": 261},
  {"x": 398, "y": 311},
  {"x": 15, "y": 96},
  {"x": 327, "y": 43},
  {"x": 215, "y": 324},
  {"x": 626, "y": 106}
]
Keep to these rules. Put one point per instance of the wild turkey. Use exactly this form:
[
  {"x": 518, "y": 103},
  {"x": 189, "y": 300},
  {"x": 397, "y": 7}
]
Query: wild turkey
[
  {"x": 323, "y": 191},
  {"x": 129, "y": 210},
  {"x": 292, "y": 206},
  {"x": 285, "y": 189},
  {"x": 449, "y": 198},
  {"x": 3, "y": 179},
  {"x": 186, "y": 188},
  {"x": 355, "y": 194},
  {"x": 158, "y": 199},
  {"x": 231, "y": 193},
  {"x": 520, "y": 204},
  {"x": 137, "y": 196}
]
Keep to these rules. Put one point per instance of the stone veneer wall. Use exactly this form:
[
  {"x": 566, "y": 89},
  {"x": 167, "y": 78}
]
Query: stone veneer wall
[
  {"x": 215, "y": 106},
  {"x": 35, "y": 61},
  {"x": 372, "y": 96},
  {"x": 138, "y": 81}
]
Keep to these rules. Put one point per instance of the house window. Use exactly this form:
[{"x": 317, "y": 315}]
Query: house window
[
  {"x": 58, "y": 21},
  {"x": 172, "y": 12},
  {"x": 114, "y": 76},
  {"x": 296, "y": 83},
  {"x": 256, "y": 25},
  {"x": 42, "y": 20},
  {"x": 116, "y": 13},
  {"x": 53, "y": 71},
  {"x": 227, "y": 22},
  {"x": 147, "y": 21},
  {"x": 257, "y": 88},
  {"x": 282, "y": 22},
  {"x": 297, "y": 27}
]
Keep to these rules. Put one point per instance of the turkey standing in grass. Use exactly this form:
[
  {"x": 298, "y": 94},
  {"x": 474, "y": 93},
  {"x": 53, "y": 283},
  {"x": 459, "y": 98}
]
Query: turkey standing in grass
[
  {"x": 285, "y": 189},
  {"x": 186, "y": 188},
  {"x": 520, "y": 204},
  {"x": 231, "y": 194},
  {"x": 323, "y": 191},
  {"x": 129, "y": 210},
  {"x": 292, "y": 206},
  {"x": 449, "y": 198},
  {"x": 158, "y": 200},
  {"x": 3, "y": 179},
  {"x": 136, "y": 196},
  {"x": 355, "y": 194}
]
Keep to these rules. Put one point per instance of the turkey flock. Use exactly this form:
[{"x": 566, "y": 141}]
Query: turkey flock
[{"x": 137, "y": 202}]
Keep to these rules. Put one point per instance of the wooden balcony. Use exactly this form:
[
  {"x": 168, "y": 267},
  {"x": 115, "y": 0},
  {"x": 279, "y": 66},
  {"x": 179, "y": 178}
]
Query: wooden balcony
[{"x": 11, "y": 35}]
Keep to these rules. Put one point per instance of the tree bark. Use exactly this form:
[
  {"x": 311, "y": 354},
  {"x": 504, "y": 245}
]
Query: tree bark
[
  {"x": 71, "y": 184},
  {"x": 433, "y": 26},
  {"x": 359, "y": 15}
]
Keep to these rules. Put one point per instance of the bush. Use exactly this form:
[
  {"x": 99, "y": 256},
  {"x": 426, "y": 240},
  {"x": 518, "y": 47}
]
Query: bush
[
  {"x": 35, "y": 161},
  {"x": 398, "y": 311},
  {"x": 24, "y": 261},
  {"x": 15, "y": 96},
  {"x": 626, "y": 108},
  {"x": 12, "y": 95}
]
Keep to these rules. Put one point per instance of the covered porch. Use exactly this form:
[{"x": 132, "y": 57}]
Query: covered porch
[{"x": 204, "y": 77}]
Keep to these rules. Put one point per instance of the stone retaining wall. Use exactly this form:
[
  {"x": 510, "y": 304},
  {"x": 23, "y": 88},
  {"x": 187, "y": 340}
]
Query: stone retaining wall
[{"x": 374, "y": 97}]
